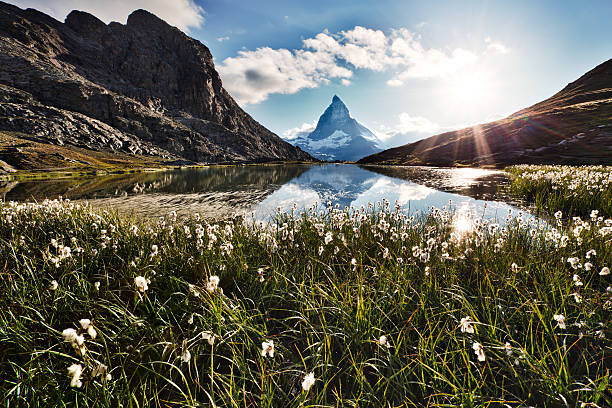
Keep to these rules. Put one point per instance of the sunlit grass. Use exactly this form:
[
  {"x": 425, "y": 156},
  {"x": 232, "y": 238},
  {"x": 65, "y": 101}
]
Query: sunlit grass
[
  {"x": 369, "y": 301},
  {"x": 569, "y": 189}
]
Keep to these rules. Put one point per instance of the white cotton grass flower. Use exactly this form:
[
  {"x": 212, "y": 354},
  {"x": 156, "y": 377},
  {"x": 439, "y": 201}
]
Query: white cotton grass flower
[
  {"x": 70, "y": 335},
  {"x": 101, "y": 370},
  {"x": 479, "y": 351},
  {"x": 213, "y": 284},
  {"x": 97, "y": 285},
  {"x": 604, "y": 271},
  {"x": 209, "y": 337},
  {"x": 186, "y": 356},
  {"x": 383, "y": 341},
  {"x": 267, "y": 348},
  {"x": 466, "y": 325},
  {"x": 560, "y": 319},
  {"x": 260, "y": 272},
  {"x": 86, "y": 325},
  {"x": 514, "y": 267},
  {"x": 54, "y": 285},
  {"x": 574, "y": 262},
  {"x": 508, "y": 348},
  {"x": 308, "y": 381},
  {"x": 142, "y": 284},
  {"x": 577, "y": 280},
  {"x": 75, "y": 371},
  {"x": 154, "y": 250},
  {"x": 588, "y": 266}
]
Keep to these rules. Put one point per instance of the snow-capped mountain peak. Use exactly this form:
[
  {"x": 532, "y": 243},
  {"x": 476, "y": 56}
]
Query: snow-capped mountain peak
[{"x": 338, "y": 136}]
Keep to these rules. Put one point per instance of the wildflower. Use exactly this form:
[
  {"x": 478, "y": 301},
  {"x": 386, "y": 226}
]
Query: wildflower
[
  {"x": 75, "y": 371},
  {"x": 466, "y": 325},
  {"x": 479, "y": 351},
  {"x": 71, "y": 336},
  {"x": 97, "y": 285},
  {"x": 186, "y": 356},
  {"x": 514, "y": 267},
  {"x": 383, "y": 342},
  {"x": 577, "y": 297},
  {"x": 267, "y": 348},
  {"x": 54, "y": 285},
  {"x": 328, "y": 237},
  {"x": 209, "y": 337},
  {"x": 308, "y": 381},
  {"x": 86, "y": 325},
  {"x": 558, "y": 215},
  {"x": 141, "y": 283},
  {"x": 427, "y": 271},
  {"x": 604, "y": 271},
  {"x": 560, "y": 320},
  {"x": 590, "y": 253},
  {"x": 574, "y": 262},
  {"x": 100, "y": 371},
  {"x": 588, "y": 266},
  {"x": 213, "y": 284},
  {"x": 508, "y": 348},
  {"x": 260, "y": 272},
  {"x": 154, "y": 250},
  {"x": 577, "y": 280}
]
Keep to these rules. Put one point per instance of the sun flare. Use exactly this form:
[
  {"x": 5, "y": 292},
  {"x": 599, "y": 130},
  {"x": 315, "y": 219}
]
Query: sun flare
[{"x": 469, "y": 88}]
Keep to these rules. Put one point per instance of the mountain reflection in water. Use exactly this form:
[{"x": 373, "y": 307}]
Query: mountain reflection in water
[{"x": 221, "y": 192}]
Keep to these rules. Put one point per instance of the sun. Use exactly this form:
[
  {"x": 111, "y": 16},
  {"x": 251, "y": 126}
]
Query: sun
[{"x": 471, "y": 88}]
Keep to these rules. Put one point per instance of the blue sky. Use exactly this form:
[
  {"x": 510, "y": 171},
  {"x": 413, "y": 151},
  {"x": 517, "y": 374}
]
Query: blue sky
[{"x": 405, "y": 69}]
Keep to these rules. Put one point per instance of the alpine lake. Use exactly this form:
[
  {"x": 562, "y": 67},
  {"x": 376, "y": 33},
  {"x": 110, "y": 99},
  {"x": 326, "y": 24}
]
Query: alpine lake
[{"x": 259, "y": 191}]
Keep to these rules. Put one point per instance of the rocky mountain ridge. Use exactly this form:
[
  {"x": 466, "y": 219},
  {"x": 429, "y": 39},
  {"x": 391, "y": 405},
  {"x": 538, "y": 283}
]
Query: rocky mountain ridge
[
  {"x": 574, "y": 126},
  {"x": 338, "y": 136},
  {"x": 143, "y": 88}
]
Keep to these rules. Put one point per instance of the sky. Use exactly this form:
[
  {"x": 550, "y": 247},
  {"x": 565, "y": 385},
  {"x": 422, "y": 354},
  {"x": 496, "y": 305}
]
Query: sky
[{"x": 405, "y": 69}]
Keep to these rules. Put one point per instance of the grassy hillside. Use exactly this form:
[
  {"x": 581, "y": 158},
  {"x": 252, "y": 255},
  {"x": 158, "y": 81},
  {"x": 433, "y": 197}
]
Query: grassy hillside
[{"x": 574, "y": 126}]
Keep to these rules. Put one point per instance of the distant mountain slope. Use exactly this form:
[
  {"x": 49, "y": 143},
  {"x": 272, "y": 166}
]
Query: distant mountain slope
[
  {"x": 573, "y": 126},
  {"x": 140, "y": 88},
  {"x": 338, "y": 136}
]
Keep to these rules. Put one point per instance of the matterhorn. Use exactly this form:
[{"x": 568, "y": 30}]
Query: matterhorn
[{"x": 338, "y": 136}]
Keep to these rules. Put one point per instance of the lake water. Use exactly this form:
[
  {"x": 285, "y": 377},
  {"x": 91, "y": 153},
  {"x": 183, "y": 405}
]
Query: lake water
[{"x": 221, "y": 192}]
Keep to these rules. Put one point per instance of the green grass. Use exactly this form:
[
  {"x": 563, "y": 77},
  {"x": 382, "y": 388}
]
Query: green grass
[
  {"x": 573, "y": 190},
  {"x": 412, "y": 281}
]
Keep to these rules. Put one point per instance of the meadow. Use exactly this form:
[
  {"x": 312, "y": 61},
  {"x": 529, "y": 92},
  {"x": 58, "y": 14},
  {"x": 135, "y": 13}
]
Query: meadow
[
  {"x": 572, "y": 190},
  {"x": 366, "y": 307}
]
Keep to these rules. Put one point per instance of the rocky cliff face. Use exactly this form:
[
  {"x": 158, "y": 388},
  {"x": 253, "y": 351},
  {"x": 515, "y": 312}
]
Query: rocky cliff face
[
  {"x": 142, "y": 88},
  {"x": 338, "y": 136},
  {"x": 572, "y": 127}
]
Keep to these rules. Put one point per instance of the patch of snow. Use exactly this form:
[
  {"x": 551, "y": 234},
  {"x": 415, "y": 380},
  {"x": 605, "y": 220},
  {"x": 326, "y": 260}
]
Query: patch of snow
[{"x": 333, "y": 141}]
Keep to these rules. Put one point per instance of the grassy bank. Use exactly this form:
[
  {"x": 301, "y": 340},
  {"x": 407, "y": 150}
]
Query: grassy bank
[
  {"x": 351, "y": 308},
  {"x": 570, "y": 189}
]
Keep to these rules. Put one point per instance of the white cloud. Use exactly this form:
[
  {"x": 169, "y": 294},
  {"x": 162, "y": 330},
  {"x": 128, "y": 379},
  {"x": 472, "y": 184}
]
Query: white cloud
[
  {"x": 253, "y": 75},
  {"x": 345, "y": 82},
  {"x": 184, "y": 14},
  {"x": 418, "y": 124},
  {"x": 296, "y": 132},
  {"x": 221, "y": 39},
  {"x": 408, "y": 129},
  {"x": 496, "y": 47}
]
